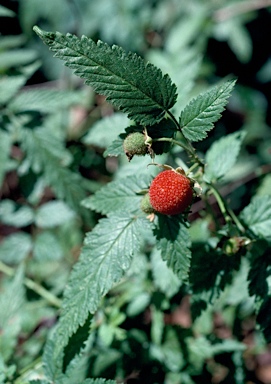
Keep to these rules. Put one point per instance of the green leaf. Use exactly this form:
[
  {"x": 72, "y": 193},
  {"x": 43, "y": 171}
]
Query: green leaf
[
  {"x": 46, "y": 100},
  {"x": 264, "y": 318},
  {"x": 119, "y": 195},
  {"x": 5, "y": 146},
  {"x": 46, "y": 153},
  {"x": 104, "y": 131},
  {"x": 259, "y": 272},
  {"x": 12, "y": 298},
  {"x": 15, "y": 216},
  {"x": 174, "y": 241},
  {"x": 257, "y": 215},
  {"x": 5, "y": 12},
  {"x": 115, "y": 148},
  {"x": 99, "y": 381},
  {"x": 47, "y": 247},
  {"x": 9, "y": 86},
  {"x": 163, "y": 277},
  {"x": 76, "y": 343},
  {"x": 15, "y": 248},
  {"x": 106, "y": 255},
  {"x": 53, "y": 214},
  {"x": 222, "y": 155},
  {"x": 199, "y": 116},
  {"x": 16, "y": 58},
  {"x": 136, "y": 88},
  {"x": 218, "y": 270}
]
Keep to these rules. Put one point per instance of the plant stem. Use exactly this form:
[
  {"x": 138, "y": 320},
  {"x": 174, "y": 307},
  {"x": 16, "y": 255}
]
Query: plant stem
[
  {"x": 48, "y": 296},
  {"x": 184, "y": 146},
  {"x": 228, "y": 214}
]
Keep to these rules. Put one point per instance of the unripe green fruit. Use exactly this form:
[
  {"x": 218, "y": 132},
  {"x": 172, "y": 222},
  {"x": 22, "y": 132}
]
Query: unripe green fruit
[
  {"x": 145, "y": 204},
  {"x": 134, "y": 144}
]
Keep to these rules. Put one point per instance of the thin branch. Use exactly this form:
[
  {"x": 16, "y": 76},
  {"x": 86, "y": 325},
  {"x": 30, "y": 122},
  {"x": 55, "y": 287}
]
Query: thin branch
[{"x": 39, "y": 289}]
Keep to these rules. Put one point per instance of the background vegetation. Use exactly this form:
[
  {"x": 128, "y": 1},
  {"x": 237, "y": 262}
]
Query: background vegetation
[{"x": 53, "y": 133}]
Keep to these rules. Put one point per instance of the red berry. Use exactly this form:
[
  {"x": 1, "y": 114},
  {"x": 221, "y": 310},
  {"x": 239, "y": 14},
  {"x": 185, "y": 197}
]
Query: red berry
[{"x": 170, "y": 193}]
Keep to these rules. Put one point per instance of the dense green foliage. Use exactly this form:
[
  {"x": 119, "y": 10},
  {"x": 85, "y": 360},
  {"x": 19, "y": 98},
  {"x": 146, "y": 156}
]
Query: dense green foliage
[{"x": 93, "y": 290}]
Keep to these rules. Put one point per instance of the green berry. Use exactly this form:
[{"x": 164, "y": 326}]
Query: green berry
[
  {"x": 134, "y": 144},
  {"x": 145, "y": 204}
]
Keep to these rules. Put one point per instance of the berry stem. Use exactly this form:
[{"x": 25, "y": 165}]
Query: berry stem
[{"x": 192, "y": 152}]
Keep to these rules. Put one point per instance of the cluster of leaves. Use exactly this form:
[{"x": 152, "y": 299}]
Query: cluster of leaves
[{"x": 117, "y": 316}]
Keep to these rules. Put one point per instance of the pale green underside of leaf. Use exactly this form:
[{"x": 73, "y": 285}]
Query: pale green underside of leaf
[
  {"x": 46, "y": 100},
  {"x": 115, "y": 148},
  {"x": 9, "y": 86},
  {"x": 257, "y": 215},
  {"x": 121, "y": 194},
  {"x": 199, "y": 116},
  {"x": 104, "y": 131},
  {"x": 106, "y": 255},
  {"x": 173, "y": 240},
  {"x": 222, "y": 155},
  {"x": 130, "y": 84}
]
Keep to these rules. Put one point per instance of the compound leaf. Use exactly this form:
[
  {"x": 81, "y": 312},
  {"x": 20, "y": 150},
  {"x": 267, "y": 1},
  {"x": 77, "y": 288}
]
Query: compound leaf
[
  {"x": 199, "y": 116},
  {"x": 222, "y": 155},
  {"x": 106, "y": 255},
  {"x": 130, "y": 84},
  {"x": 174, "y": 241}
]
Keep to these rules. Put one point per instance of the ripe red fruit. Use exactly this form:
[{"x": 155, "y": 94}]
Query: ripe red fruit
[{"x": 170, "y": 193}]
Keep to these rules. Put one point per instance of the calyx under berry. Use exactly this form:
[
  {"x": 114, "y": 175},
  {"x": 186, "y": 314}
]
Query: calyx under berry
[{"x": 145, "y": 204}]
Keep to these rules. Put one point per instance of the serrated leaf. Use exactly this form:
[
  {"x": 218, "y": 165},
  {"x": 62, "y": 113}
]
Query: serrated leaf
[
  {"x": 121, "y": 194},
  {"x": 136, "y": 88},
  {"x": 222, "y": 155},
  {"x": 104, "y": 131},
  {"x": 52, "y": 214},
  {"x": 218, "y": 271},
  {"x": 199, "y": 116},
  {"x": 76, "y": 343},
  {"x": 164, "y": 278},
  {"x": 264, "y": 318},
  {"x": 106, "y": 255},
  {"x": 173, "y": 240},
  {"x": 257, "y": 215}
]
